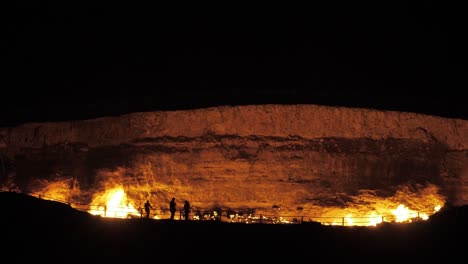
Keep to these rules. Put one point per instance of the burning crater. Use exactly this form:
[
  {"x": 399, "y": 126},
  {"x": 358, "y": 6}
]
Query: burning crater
[{"x": 266, "y": 163}]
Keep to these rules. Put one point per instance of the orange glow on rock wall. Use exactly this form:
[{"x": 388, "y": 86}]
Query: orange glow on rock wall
[
  {"x": 407, "y": 204},
  {"x": 248, "y": 163}
]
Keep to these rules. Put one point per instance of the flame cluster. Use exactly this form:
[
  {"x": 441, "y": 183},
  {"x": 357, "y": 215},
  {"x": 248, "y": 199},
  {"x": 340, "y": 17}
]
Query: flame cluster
[
  {"x": 367, "y": 209},
  {"x": 113, "y": 203},
  {"x": 408, "y": 204}
]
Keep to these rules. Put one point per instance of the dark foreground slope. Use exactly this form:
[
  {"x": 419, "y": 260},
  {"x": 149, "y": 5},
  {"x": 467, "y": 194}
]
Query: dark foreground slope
[{"x": 53, "y": 231}]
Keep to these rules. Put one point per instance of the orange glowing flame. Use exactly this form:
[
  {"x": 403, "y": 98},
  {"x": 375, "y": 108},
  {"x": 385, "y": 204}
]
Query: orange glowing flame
[
  {"x": 369, "y": 210},
  {"x": 113, "y": 203},
  {"x": 60, "y": 190},
  {"x": 409, "y": 203},
  {"x": 402, "y": 213}
]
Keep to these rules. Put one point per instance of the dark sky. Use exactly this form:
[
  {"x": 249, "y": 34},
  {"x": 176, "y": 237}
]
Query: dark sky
[{"x": 68, "y": 62}]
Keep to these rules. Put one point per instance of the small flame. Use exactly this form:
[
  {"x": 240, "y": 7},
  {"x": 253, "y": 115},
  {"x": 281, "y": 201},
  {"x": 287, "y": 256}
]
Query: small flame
[
  {"x": 113, "y": 203},
  {"x": 367, "y": 209},
  {"x": 349, "y": 220},
  {"x": 59, "y": 191},
  {"x": 402, "y": 213},
  {"x": 374, "y": 219}
]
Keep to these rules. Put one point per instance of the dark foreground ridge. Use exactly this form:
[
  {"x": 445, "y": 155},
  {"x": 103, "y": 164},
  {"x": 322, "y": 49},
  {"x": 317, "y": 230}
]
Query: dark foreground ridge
[{"x": 51, "y": 230}]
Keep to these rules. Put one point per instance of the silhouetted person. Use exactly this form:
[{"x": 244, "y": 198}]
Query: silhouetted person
[
  {"x": 172, "y": 208},
  {"x": 186, "y": 210},
  {"x": 148, "y": 208}
]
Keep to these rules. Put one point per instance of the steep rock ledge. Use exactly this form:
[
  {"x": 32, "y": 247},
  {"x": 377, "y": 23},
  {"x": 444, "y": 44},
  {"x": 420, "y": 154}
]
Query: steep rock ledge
[{"x": 293, "y": 156}]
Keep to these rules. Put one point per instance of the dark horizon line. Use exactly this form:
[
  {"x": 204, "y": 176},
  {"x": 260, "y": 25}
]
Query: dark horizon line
[{"x": 83, "y": 110}]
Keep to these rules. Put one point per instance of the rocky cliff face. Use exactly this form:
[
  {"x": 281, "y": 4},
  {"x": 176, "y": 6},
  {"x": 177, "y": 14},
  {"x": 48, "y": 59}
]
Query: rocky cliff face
[{"x": 297, "y": 159}]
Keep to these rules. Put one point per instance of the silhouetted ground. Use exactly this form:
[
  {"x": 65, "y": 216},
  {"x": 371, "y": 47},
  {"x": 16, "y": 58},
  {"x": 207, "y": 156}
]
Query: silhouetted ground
[{"x": 39, "y": 229}]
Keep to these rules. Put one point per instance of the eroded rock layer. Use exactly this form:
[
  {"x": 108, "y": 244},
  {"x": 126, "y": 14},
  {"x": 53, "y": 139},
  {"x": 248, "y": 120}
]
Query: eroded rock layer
[{"x": 300, "y": 159}]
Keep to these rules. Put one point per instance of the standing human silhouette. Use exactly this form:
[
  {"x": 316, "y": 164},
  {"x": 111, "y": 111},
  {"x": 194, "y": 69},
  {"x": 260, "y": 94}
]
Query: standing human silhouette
[
  {"x": 148, "y": 208},
  {"x": 172, "y": 207},
  {"x": 186, "y": 210}
]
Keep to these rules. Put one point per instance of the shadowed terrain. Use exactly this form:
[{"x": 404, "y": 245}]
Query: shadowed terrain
[{"x": 51, "y": 230}]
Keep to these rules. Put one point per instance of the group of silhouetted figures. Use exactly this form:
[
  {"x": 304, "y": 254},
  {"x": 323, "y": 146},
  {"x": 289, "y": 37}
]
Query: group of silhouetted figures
[{"x": 172, "y": 208}]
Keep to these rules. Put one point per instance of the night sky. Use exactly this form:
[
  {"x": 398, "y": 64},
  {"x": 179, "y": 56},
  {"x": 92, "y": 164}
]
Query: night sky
[{"x": 64, "y": 62}]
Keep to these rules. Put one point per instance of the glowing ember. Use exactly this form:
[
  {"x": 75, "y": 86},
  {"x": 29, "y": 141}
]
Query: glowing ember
[
  {"x": 369, "y": 210},
  {"x": 402, "y": 213},
  {"x": 113, "y": 203},
  {"x": 55, "y": 191},
  {"x": 408, "y": 204}
]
